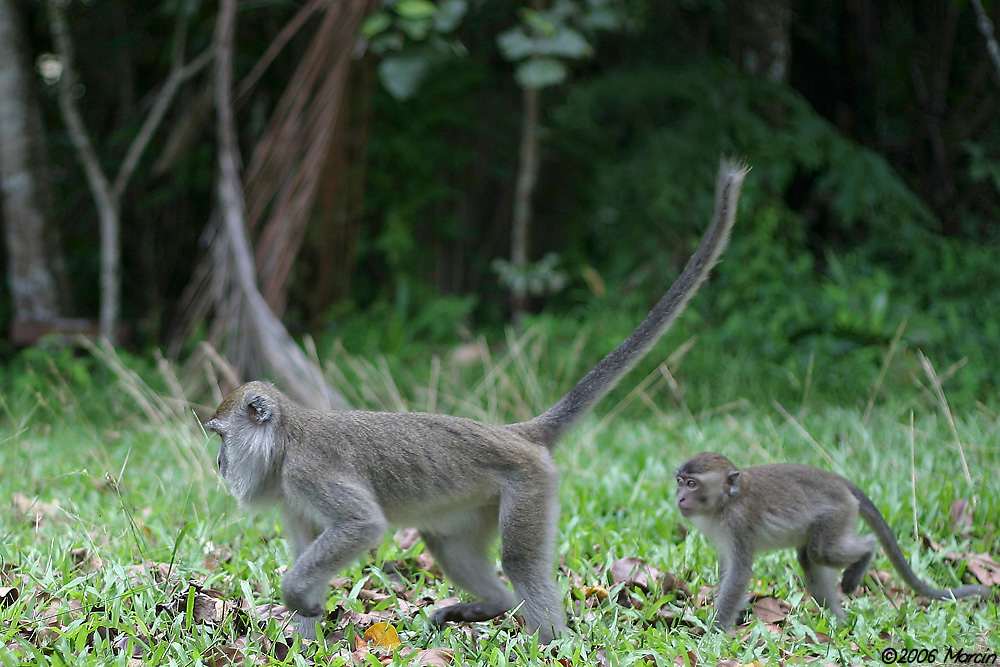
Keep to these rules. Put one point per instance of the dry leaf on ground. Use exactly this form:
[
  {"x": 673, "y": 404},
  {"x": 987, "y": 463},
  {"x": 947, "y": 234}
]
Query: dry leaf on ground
[
  {"x": 430, "y": 657},
  {"x": 982, "y": 566},
  {"x": 85, "y": 559},
  {"x": 669, "y": 582},
  {"x": 689, "y": 659},
  {"x": 771, "y": 609},
  {"x": 406, "y": 538},
  {"x": 216, "y": 557},
  {"x": 634, "y": 572},
  {"x": 8, "y": 596},
  {"x": 961, "y": 516},
  {"x": 383, "y": 635},
  {"x": 33, "y": 509}
]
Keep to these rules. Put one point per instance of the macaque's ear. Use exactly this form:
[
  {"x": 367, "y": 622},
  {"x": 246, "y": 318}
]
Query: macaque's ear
[
  {"x": 732, "y": 485},
  {"x": 259, "y": 409}
]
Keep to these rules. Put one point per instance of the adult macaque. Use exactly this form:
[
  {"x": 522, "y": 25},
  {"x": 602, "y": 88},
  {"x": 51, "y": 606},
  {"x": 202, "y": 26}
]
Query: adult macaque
[
  {"x": 782, "y": 506},
  {"x": 341, "y": 478}
]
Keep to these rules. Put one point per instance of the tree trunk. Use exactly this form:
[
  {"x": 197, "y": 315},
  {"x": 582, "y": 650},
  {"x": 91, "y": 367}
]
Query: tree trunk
[
  {"x": 107, "y": 194},
  {"x": 34, "y": 261},
  {"x": 257, "y": 333},
  {"x": 100, "y": 188},
  {"x": 527, "y": 175},
  {"x": 760, "y": 37}
]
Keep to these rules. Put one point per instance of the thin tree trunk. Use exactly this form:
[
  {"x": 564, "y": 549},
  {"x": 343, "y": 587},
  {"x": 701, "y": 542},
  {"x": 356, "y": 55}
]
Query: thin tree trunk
[
  {"x": 100, "y": 188},
  {"x": 986, "y": 28},
  {"x": 239, "y": 298},
  {"x": 527, "y": 176},
  {"x": 107, "y": 195},
  {"x": 33, "y": 254},
  {"x": 760, "y": 36}
]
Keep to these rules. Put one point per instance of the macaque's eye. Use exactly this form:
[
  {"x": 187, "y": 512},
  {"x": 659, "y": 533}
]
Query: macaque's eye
[{"x": 692, "y": 484}]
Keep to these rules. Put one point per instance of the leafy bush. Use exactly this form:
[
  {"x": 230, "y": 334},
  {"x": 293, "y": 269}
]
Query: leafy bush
[{"x": 832, "y": 251}]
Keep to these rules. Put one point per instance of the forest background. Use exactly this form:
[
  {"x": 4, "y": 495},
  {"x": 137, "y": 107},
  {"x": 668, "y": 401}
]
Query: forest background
[
  {"x": 460, "y": 207},
  {"x": 397, "y": 153}
]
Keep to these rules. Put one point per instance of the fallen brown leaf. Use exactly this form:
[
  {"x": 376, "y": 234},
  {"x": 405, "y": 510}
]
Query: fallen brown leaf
[
  {"x": 8, "y": 595},
  {"x": 634, "y": 572},
  {"x": 268, "y": 611},
  {"x": 431, "y": 657},
  {"x": 689, "y": 659},
  {"x": 670, "y": 582},
  {"x": 770, "y": 609},
  {"x": 366, "y": 620},
  {"x": 219, "y": 656},
  {"x": 821, "y": 637},
  {"x": 444, "y": 602},
  {"x": 929, "y": 543},
  {"x": 216, "y": 557},
  {"x": 374, "y": 596},
  {"x": 984, "y": 568},
  {"x": 84, "y": 558},
  {"x": 425, "y": 562},
  {"x": 207, "y": 609},
  {"x": 47, "y": 636},
  {"x": 406, "y": 538},
  {"x": 34, "y": 510},
  {"x": 383, "y": 635},
  {"x": 961, "y": 516},
  {"x": 141, "y": 573},
  {"x": 704, "y": 595},
  {"x": 139, "y": 645}
]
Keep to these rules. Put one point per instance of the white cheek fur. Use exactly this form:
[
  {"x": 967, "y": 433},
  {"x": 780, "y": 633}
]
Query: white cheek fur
[{"x": 250, "y": 464}]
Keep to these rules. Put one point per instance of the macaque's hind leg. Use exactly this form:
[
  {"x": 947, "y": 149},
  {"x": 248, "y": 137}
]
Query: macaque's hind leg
[
  {"x": 857, "y": 570},
  {"x": 833, "y": 546},
  {"x": 821, "y": 583},
  {"x": 528, "y": 519},
  {"x": 465, "y": 557}
]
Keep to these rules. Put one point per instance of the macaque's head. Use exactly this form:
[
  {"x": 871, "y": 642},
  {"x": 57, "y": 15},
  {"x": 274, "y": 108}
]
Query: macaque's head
[
  {"x": 704, "y": 483},
  {"x": 246, "y": 421}
]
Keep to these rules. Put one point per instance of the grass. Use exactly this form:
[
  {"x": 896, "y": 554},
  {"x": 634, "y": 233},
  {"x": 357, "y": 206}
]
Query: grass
[{"x": 119, "y": 545}]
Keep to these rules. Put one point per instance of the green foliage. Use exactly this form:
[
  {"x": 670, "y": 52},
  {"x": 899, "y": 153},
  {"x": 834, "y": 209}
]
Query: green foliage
[
  {"x": 126, "y": 517},
  {"x": 413, "y": 36},
  {"x": 404, "y": 327},
  {"x": 545, "y": 41},
  {"x": 832, "y": 250},
  {"x": 536, "y": 278}
]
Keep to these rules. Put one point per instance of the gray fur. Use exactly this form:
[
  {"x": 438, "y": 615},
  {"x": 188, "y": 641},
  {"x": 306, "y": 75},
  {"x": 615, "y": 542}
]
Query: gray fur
[
  {"x": 787, "y": 505},
  {"x": 342, "y": 477}
]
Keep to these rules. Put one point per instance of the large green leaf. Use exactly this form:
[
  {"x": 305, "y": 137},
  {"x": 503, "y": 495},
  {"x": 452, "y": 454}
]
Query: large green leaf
[
  {"x": 516, "y": 44},
  {"x": 376, "y": 23},
  {"x": 449, "y": 15},
  {"x": 415, "y": 10},
  {"x": 402, "y": 75},
  {"x": 540, "y": 73}
]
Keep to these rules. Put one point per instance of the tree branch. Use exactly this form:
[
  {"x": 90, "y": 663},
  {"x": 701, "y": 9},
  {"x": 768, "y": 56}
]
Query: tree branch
[
  {"x": 286, "y": 34},
  {"x": 300, "y": 377},
  {"x": 96, "y": 178},
  {"x": 178, "y": 75},
  {"x": 107, "y": 203},
  {"x": 986, "y": 28},
  {"x": 107, "y": 196}
]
